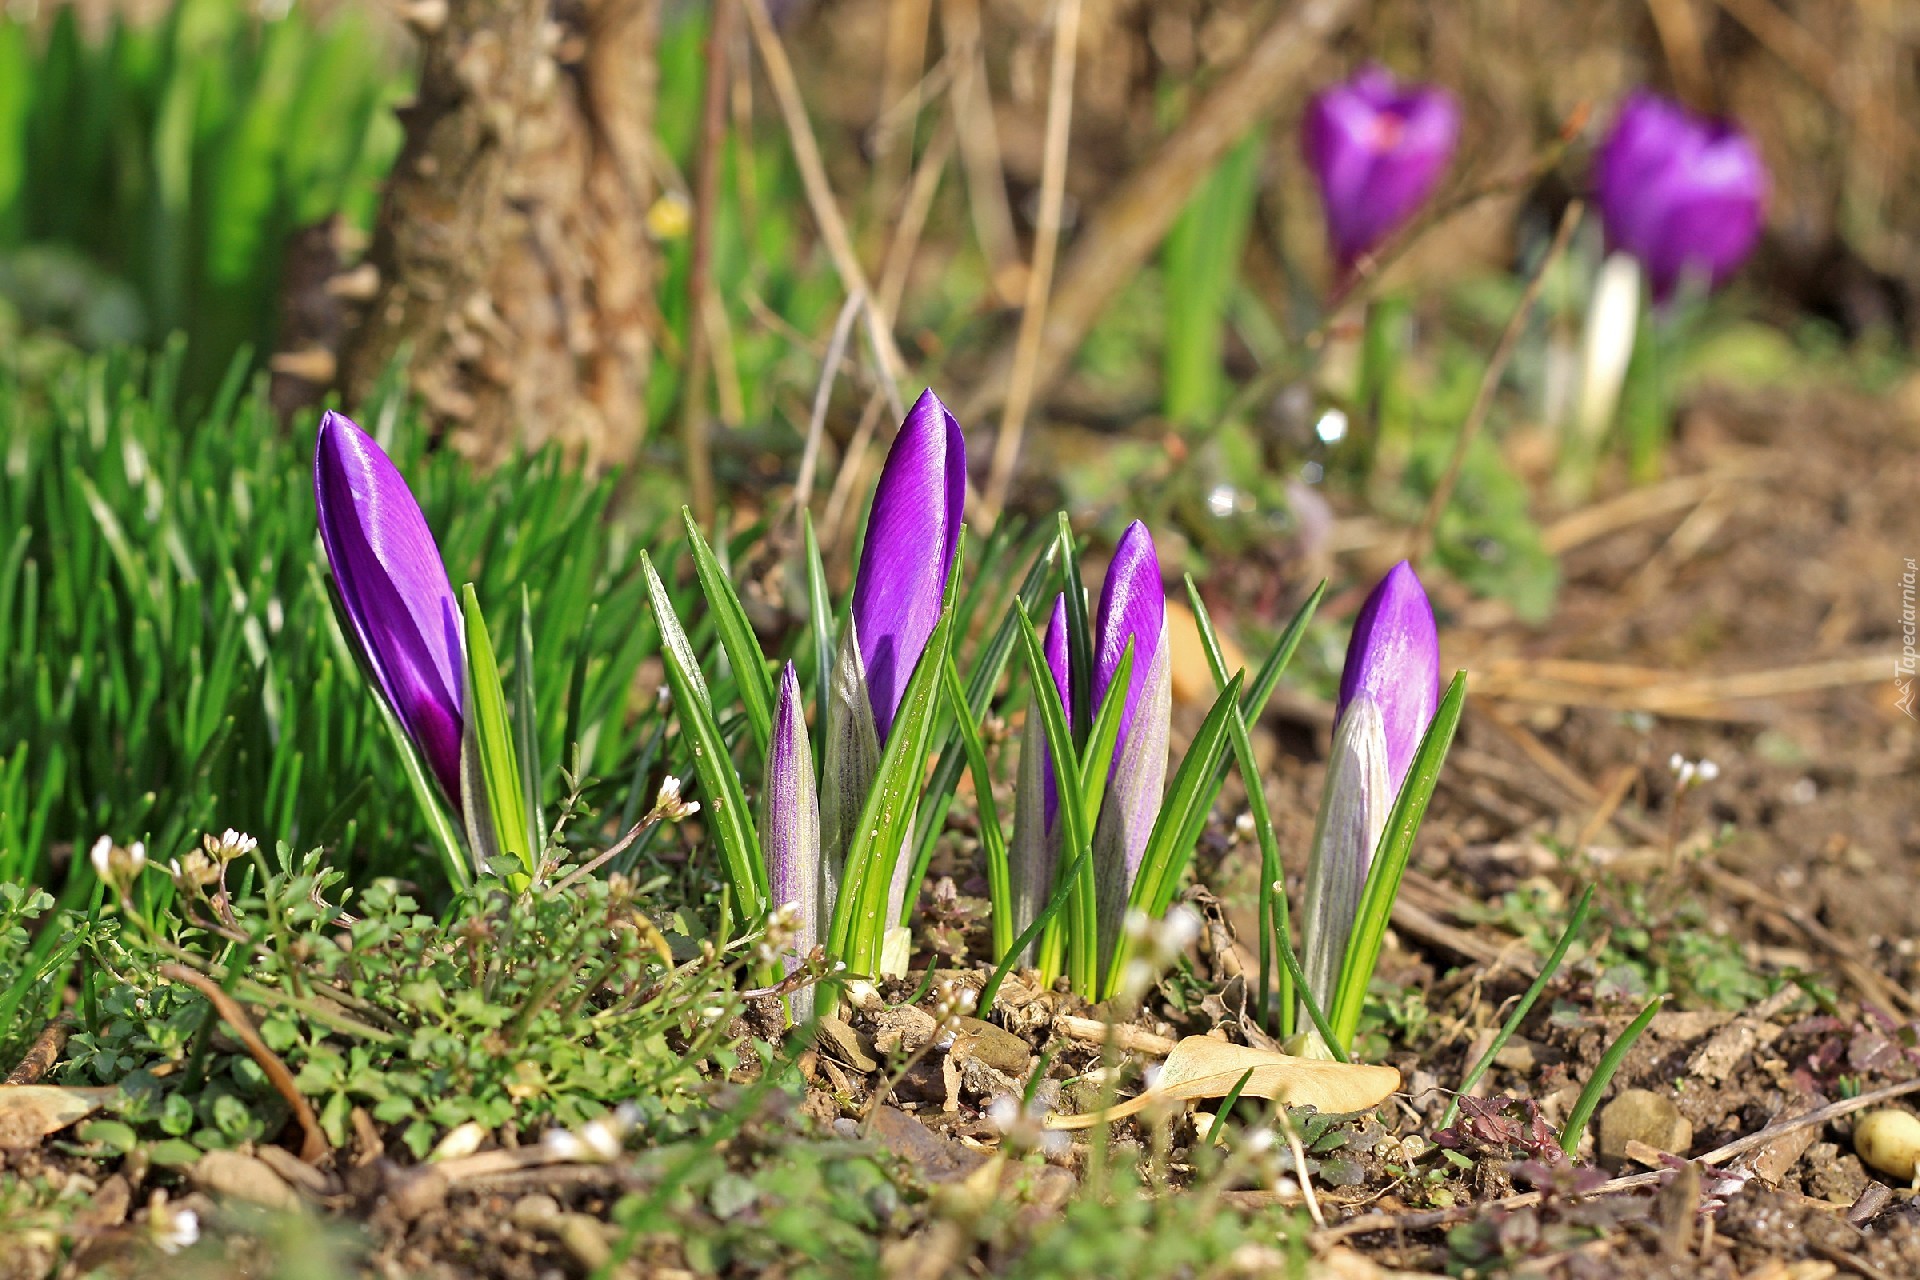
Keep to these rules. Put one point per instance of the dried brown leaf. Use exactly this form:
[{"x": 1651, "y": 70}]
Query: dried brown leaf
[
  {"x": 30, "y": 1112},
  {"x": 1203, "y": 1067}
]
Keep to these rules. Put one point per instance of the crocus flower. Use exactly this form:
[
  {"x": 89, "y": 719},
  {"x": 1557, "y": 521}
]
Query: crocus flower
[
  {"x": 1389, "y": 692},
  {"x": 911, "y": 534},
  {"x": 394, "y": 587},
  {"x": 1377, "y": 150},
  {"x": 790, "y": 827},
  {"x": 1393, "y": 658},
  {"x": 1682, "y": 193},
  {"x": 912, "y": 531}
]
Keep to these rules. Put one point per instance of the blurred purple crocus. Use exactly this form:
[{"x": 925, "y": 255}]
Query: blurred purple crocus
[
  {"x": 1377, "y": 150},
  {"x": 1682, "y": 193},
  {"x": 394, "y": 587},
  {"x": 1393, "y": 658},
  {"x": 1389, "y": 693},
  {"x": 790, "y": 828},
  {"x": 911, "y": 534}
]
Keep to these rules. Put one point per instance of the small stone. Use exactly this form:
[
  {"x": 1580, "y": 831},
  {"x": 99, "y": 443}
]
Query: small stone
[
  {"x": 243, "y": 1177},
  {"x": 531, "y": 1211},
  {"x": 995, "y": 1046},
  {"x": 846, "y": 1045},
  {"x": 1889, "y": 1141},
  {"x": 1641, "y": 1115}
]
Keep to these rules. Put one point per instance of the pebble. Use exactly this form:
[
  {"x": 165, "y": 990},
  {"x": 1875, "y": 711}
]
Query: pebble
[
  {"x": 1889, "y": 1141},
  {"x": 243, "y": 1177},
  {"x": 1641, "y": 1115}
]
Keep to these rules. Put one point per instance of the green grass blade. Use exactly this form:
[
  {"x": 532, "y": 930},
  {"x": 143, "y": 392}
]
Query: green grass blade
[
  {"x": 1079, "y": 628},
  {"x": 490, "y": 733},
  {"x": 1390, "y": 861},
  {"x": 993, "y": 839},
  {"x": 1603, "y": 1076},
  {"x": 1102, "y": 736},
  {"x": 1076, "y": 834},
  {"x": 820, "y": 623},
  {"x": 736, "y": 634},
  {"x": 526, "y": 731},
  {"x": 1575, "y": 923},
  {"x": 725, "y": 802}
]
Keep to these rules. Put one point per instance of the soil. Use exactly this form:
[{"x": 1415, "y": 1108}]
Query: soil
[{"x": 1786, "y": 558}]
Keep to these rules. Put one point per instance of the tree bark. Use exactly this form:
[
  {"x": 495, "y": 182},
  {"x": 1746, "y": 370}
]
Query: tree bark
[{"x": 515, "y": 272}]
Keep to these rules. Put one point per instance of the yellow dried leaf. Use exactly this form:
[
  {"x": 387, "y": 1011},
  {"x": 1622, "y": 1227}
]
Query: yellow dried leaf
[
  {"x": 29, "y": 1112},
  {"x": 1203, "y": 1067}
]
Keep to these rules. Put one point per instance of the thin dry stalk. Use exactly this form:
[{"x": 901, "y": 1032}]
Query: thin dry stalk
[
  {"x": 912, "y": 218},
  {"x": 1046, "y": 243},
  {"x": 1422, "y": 539},
  {"x": 313, "y": 1141},
  {"x": 980, "y": 147},
  {"x": 813, "y": 176},
  {"x": 822, "y": 397},
  {"x": 852, "y": 465},
  {"x": 1110, "y": 246}
]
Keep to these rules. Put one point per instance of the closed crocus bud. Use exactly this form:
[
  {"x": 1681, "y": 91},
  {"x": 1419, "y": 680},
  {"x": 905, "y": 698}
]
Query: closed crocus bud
[
  {"x": 1377, "y": 150},
  {"x": 398, "y": 601},
  {"x": 1389, "y": 692},
  {"x": 911, "y": 534},
  {"x": 790, "y": 828},
  {"x": 1682, "y": 193},
  {"x": 1133, "y": 610},
  {"x": 1393, "y": 658},
  {"x": 1035, "y": 852}
]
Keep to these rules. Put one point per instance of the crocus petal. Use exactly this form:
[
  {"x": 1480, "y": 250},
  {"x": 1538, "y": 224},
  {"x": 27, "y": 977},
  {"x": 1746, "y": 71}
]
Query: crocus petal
[
  {"x": 1134, "y": 792},
  {"x": 790, "y": 826},
  {"x": 1353, "y": 811},
  {"x": 1377, "y": 151},
  {"x": 1055, "y": 648},
  {"x": 395, "y": 589},
  {"x": 1684, "y": 194},
  {"x": 1133, "y": 606},
  {"x": 1393, "y": 658},
  {"x": 911, "y": 534}
]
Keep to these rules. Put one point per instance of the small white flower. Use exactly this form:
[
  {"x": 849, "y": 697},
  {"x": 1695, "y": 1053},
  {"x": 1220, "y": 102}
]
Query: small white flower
[
  {"x": 173, "y": 1229},
  {"x": 599, "y": 1138},
  {"x": 1260, "y": 1140},
  {"x": 101, "y": 856},
  {"x": 562, "y": 1145},
  {"x": 136, "y": 856}
]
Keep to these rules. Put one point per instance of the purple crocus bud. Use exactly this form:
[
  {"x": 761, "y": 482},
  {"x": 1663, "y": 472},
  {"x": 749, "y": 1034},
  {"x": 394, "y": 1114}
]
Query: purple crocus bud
[
  {"x": 1133, "y": 610},
  {"x": 1393, "y": 658},
  {"x": 790, "y": 828},
  {"x": 1682, "y": 193},
  {"x": 394, "y": 587},
  {"x": 911, "y": 533},
  {"x": 1055, "y": 648},
  {"x": 1377, "y": 150}
]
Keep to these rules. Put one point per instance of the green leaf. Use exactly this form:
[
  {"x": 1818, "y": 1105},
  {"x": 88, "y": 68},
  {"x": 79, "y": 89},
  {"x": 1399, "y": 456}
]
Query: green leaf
[
  {"x": 993, "y": 839},
  {"x": 1603, "y": 1070},
  {"x": 1271, "y": 924},
  {"x": 1390, "y": 862},
  {"x": 526, "y": 731},
  {"x": 736, "y": 634},
  {"x": 489, "y": 769},
  {"x": 1076, "y": 833},
  {"x": 726, "y": 803},
  {"x": 1079, "y": 628},
  {"x": 820, "y": 622},
  {"x": 860, "y": 917},
  {"x": 1102, "y": 736},
  {"x": 1182, "y": 815}
]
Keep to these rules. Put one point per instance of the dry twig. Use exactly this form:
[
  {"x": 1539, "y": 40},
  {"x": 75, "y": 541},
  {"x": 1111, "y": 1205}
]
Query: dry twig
[{"x": 313, "y": 1141}]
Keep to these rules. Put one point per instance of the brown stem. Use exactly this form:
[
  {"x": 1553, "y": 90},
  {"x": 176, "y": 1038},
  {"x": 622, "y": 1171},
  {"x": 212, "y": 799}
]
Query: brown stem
[{"x": 314, "y": 1146}]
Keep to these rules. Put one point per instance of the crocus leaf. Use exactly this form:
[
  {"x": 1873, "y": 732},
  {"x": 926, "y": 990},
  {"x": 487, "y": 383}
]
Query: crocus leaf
[
  {"x": 1102, "y": 735},
  {"x": 1272, "y": 923},
  {"x": 726, "y": 805},
  {"x": 526, "y": 730},
  {"x": 993, "y": 839},
  {"x": 489, "y": 768},
  {"x": 736, "y": 634},
  {"x": 819, "y": 618},
  {"x": 849, "y": 760},
  {"x": 1203, "y": 1067},
  {"x": 1390, "y": 861},
  {"x": 1353, "y": 811},
  {"x": 1079, "y": 626},
  {"x": 866, "y": 909},
  {"x": 1075, "y": 836},
  {"x": 1178, "y": 828},
  {"x": 790, "y": 827}
]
